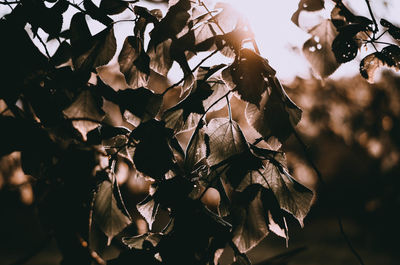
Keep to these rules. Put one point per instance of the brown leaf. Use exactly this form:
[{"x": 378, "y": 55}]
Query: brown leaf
[
  {"x": 85, "y": 106},
  {"x": 318, "y": 51},
  {"x": 134, "y": 62}
]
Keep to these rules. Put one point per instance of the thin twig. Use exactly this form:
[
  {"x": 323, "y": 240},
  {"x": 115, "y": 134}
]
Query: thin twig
[
  {"x": 8, "y": 3},
  {"x": 44, "y": 45},
  {"x": 373, "y": 18},
  {"x": 196, "y": 131},
  {"x": 77, "y": 7},
  {"x": 321, "y": 180},
  {"x": 213, "y": 18},
  {"x": 194, "y": 69}
]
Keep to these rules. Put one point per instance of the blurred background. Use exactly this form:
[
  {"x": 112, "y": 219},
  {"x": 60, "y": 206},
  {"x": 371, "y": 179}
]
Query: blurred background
[{"x": 352, "y": 129}]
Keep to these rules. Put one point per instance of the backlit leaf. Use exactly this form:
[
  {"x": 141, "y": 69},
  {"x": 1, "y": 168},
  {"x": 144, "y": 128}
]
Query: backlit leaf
[
  {"x": 89, "y": 52},
  {"x": 277, "y": 114},
  {"x": 85, "y": 106},
  {"x": 292, "y": 196},
  {"x": 388, "y": 56},
  {"x": 318, "y": 51},
  {"x": 148, "y": 209},
  {"x": 307, "y": 5},
  {"x": 196, "y": 151},
  {"x": 108, "y": 216},
  {"x": 247, "y": 75},
  {"x": 134, "y": 62},
  {"x": 225, "y": 140}
]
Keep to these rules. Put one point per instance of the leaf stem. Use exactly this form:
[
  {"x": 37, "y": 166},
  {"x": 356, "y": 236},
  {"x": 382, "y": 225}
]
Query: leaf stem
[
  {"x": 194, "y": 69},
  {"x": 44, "y": 45},
  {"x": 229, "y": 108},
  {"x": 196, "y": 131},
  {"x": 373, "y": 18}
]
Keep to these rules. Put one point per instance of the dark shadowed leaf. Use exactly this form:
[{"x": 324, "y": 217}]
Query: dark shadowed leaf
[
  {"x": 291, "y": 195},
  {"x": 307, "y": 5},
  {"x": 141, "y": 102},
  {"x": 139, "y": 256},
  {"x": 240, "y": 167},
  {"x": 39, "y": 16},
  {"x": 342, "y": 16},
  {"x": 113, "y": 7},
  {"x": 86, "y": 106},
  {"x": 196, "y": 151},
  {"x": 177, "y": 120},
  {"x": 97, "y": 13},
  {"x": 153, "y": 155},
  {"x": 89, "y": 52},
  {"x": 277, "y": 114},
  {"x": 247, "y": 75},
  {"x": 392, "y": 29},
  {"x": 318, "y": 51},
  {"x": 134, "y": 62},
  {"x": 345, "y": 46},
  {"x": 252, "y": 211},
  {"x": 173, "y": 22},
  {"x": 106, "y": 132},
  {"x": 391, "y": 55},
  {"x": 225, "y": 140},
  {"x": 108, "y": 216},
  {"x": 186, "y": 114},
  {"x": 160, "y": 58},
  {"x": 62, "y": 55},
  {"x": 60, "y": 7}
]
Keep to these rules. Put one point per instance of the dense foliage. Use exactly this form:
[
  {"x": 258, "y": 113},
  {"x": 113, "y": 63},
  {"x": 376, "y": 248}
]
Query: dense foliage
[{"x": 74, "y": 128}]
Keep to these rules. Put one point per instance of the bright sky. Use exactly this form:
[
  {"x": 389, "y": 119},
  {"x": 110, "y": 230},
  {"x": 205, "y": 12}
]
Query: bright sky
[{"x": 279, "y": 40}]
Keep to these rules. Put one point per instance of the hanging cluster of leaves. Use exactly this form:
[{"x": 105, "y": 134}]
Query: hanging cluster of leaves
[
  {"x": 237, "y": 116},
  {"x": 338, "y": 40}
]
